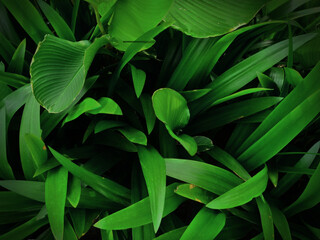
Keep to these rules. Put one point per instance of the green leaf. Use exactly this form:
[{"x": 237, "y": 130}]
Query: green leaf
[
  {"x": 206, "y": 176},
  {"x": 139, "y": 79},
  {"x": 29, "y": 18},
  {"x": 23, "y": 231},
  {"x": 203, "y": 143},
  {"x": 133, "y": 135},
  {"x": 230, "y": 162},
  {"x": 55, "y": 198},
  {"x": 185, "y": 140},
  {"x": 17, "y": 60},
  {"x": 194, "y": 193},
  {"x": 266, "y": 218},
  {"x": 232, "y": 112},
  {"x": 267, "y": 82},
  {"x": 57, "y": 22},
  {"x": 309, "y": 197},
  {"x": 132, "y": 19},
  {"x": 74, "y": 191},
  {"x": 281, "y": 223},
  {"x": 292, "y": 76},
  {"x": 206, "y": 225},
  {"x": 106, "y": 187},
  {"x": 244, "y": 72},
  {"x": 299, "y": 107},
  {"x": 107, "y": 124},
  {"x": 202, "y": 18},
  {"x": 69, "y": 232},
  {"x": 170, "y": 108},
  {"x": 154, "y": 171},
  {"x": 59, "y": 69},
  {"x": 30, "y": 124},
  {"x": 108, "y": 106},
  {"x": 78, "y": 220},
  {"x": 13, "y": 202},
  {"x": 243, "y": 193},
  {"x": 139, "y": 213},
  {"x": 13, "y": 80},
  {"x": 148, "y": 111}
]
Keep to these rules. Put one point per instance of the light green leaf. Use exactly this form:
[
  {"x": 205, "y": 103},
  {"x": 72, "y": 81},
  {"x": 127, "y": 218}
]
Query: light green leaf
[
  {"x": 106, "y": 187},
  {"x": 194, "y": 193},
  {"x": 206, "y": 176},
  {"x": 108, "y": 106},
  {"x": 139, "y": 213},
  {"x": 185, "y": 140},
  {"x": 206, "y": 225},
  {"x": 132, "y": 19},
  {"x": 172, "y": 235},
  {"x": 170, "y": 108},
  {"x": 30, "y": 124},
  {"x": 59, "y": 69},
  {"x": 17, "y": 60},
  {"x": 266, "y": 218},
  {"x": 55, "y": 198},
  {"x": 29, "y": 18},
  {"x": 133, "y": 135},
  {"x": 243, "y": 193},
  {"x": 139, "y": 79},
  {"x": 154, "y": 171},
  {"x": 202, "y": 18},
  {"x": 57, "y": 22}
]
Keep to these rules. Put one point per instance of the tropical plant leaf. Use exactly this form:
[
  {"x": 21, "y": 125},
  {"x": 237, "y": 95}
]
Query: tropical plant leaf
[
  {"x": 243, "y": 193},
  {"x": 17, "y": 60},
  {"x": 194, "y": 193},
  {"x": 266, "y": 218},
  {"x": 56, "y": 87},
  {"x": 154, "y": 171},
  {"x": 74, "y": 191},
  {"x": 203, "y": 19},
  {"x": 139, "y": 78}
]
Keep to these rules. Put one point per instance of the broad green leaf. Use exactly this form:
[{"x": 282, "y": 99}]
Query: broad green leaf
[
  {"x": 139, "y": 79},
  {"x": 29, "y": 18},
  {"x": 57, "y": 22},
  {"x": 172, "y": 235},
  {"x": 185, "y": 140},
  {"x": 133, "y": 135},
  {"x": 74, "y": 191},
  {"x": 206, "y": 225},
  {"x": 13, "y": 80},
  {"x": 288, "y": 180},
  {"x": 309, "y": 198},
  {"x": 106, "y": 187},
  {"x": 55, "y": 198},
  {"x": 148, "y": 111},
  {"x": 170, "y": 108},
  {"x": 50, "y": 120},
  {"x": 194, "y": 193},
  {"x": 246, "y": 71},
  {"x": 154, "y": 171},
  {"x": 281, "y": 223},
  {"x": 266, "y": 218},
  {"x": 86, "y": 105},
  {"x": 206, "y": 176},
  {"x": 30, "y": 124},
  {"x": 299, "y": 107},
  {"x": 108, "y": 106},
  {"x": 242, "y": 193},
  {"x": 230, "y": 162},
  {"x": 139, "y": 213},
  {"x": 132, "y": 19},
  {"x": 202, "y": 18},
  {"x": 23, "y": 231},
  {"x": 59, "y": 69},
  {"x": 221, "y": 116},
  {"x": 17, "y": 60}
]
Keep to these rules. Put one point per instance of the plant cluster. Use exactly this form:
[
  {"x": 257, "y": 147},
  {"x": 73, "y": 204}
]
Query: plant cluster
[{"x": 159, "y": 119}]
